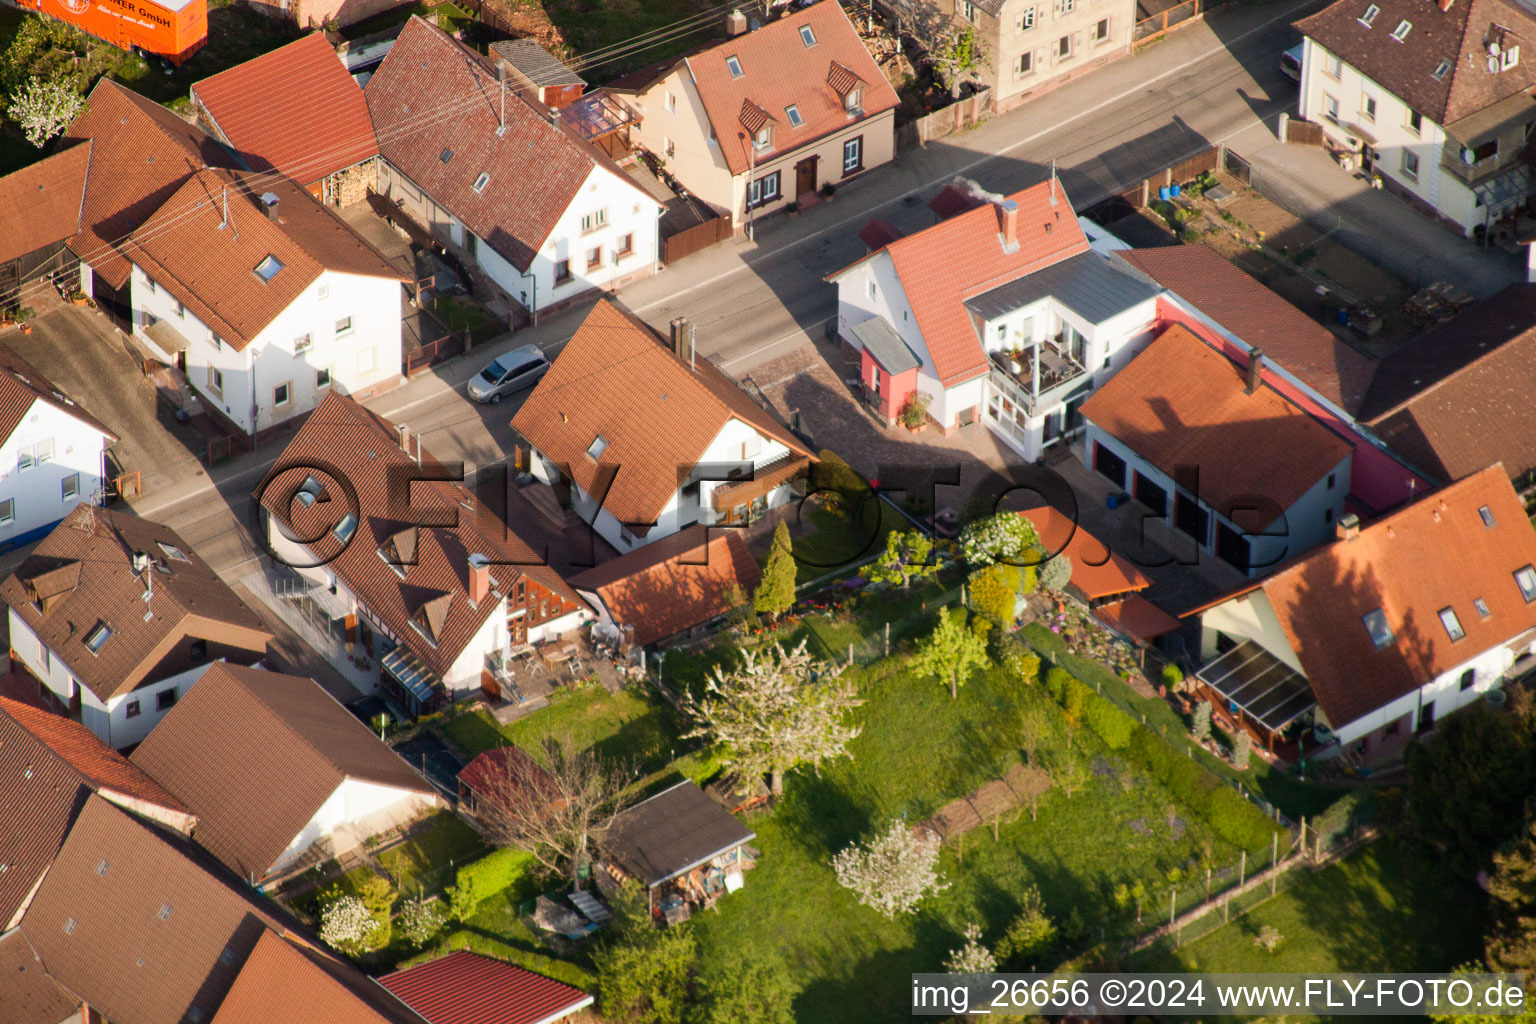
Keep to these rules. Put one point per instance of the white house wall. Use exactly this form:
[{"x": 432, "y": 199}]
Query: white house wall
[
  {"x": 360, "y": 357},
  {"x": 38, "y": 492},
  {"x": 1249, "y": 617},
  {"x": 464, "y": 675},
  {"x": 683, "y": 128},
  {"x": 629, "y": 212},
  {"x": 1444, "y": 694},
  {"x": 353, "y": 812}
]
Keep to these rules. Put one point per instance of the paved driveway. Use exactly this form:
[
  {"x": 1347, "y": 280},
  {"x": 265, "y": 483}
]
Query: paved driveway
[{"x": 83, "y": 353}]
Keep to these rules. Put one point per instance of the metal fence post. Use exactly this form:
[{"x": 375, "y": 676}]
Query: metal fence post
[{"x": 1242, "y": 868}]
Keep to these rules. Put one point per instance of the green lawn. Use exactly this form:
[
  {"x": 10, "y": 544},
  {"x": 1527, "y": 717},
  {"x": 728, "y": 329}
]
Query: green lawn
[
  {"x": 614, "y": 25},
  {"x": 1384, "y": 908},
  {"x": 426, "y": 861},
  {"x": 838, "y": 541},
  {"x": 630, "y": 725},
  {"x": 918, "y": 749}
]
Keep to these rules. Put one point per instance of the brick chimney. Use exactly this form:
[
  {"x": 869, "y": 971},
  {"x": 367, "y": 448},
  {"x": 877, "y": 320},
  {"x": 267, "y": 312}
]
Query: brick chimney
[
  {"x": 1008, "y": 224},
  {"x": 735, "y": 23},
  {"x": 403, "y": 435},
  {"x": 679, "y": 336},
  {"x": 1348, "y": 527},
  {"x": 1254, "y": 375},
  {"x": 269, "y": 203},
  {"x": 479, "y": 578}
]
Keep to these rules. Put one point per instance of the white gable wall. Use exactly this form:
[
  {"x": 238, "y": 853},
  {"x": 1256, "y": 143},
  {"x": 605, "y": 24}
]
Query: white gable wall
[
  {"x": 38, "y": 493},
  {"x": 359, "y": 356},
  {"x": 353, "y": 812}
]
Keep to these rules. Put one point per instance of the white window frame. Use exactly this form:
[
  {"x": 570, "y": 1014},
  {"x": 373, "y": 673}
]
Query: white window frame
[
  {"x": 7, "y": 511},
  {"x": 69, "y": 487},
  {"x": 1331, "y": 108},
  {"x": 302, "y": 343},
  {"x": 216, "y": 380},
  {"x": 1333, "y": 65},
  {"x": 853, "y": 155},
  {"x": 594, "y": 220},
  {"x": 1026, "y": 20},
  {"x": 1104, "y": 24},
  {"x": 343, "y": 326},
  {"x": 1368, "y": 107},
  {"x": 1412, "y": 174},
  {"x": 287, "y": 388},
  {"x": 1025, "y": 64},
  {"x": 319, "y": 384}
]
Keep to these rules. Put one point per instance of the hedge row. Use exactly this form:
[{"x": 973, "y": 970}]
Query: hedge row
[{"x": 1231, "y": 816}]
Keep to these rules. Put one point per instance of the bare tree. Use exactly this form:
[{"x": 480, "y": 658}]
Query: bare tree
[
  {"x": 555, "y": 813},
  {"x": 1069, "y": 773},
  {"x": 780, "y": 709},
  {"x": 1034, "y": 782}
]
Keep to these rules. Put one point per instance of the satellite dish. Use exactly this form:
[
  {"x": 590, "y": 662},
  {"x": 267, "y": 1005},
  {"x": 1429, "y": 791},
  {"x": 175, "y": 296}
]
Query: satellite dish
[
  {"x": 1493, "y": 48},
  {"x": 1493, "y": 63}
]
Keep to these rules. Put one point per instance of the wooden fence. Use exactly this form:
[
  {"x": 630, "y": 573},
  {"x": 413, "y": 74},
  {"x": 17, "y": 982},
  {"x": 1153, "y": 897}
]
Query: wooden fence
[
  {"x": 1186, "y": 13},
  {"x": 433, "y": 352},
  {"x": 691, "y": 240},
  {"x": 1304, "y": 132},
  {"x": 957, "y": 117}
]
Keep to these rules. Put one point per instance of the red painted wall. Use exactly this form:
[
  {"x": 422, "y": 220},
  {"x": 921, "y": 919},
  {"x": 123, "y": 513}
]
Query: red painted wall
[
  {"x": 1376, "y": 478},
  {"x": 891, "y": 391}
]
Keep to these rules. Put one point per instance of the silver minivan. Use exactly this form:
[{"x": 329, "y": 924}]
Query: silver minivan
[
  {"x": 1290, "y": 62},
  {"x": 510, "y": 372}
]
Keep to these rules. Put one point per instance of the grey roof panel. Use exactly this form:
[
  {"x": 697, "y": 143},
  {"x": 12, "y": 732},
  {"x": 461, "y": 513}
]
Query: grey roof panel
[
  {"x": 542, "y": 67},
  {"x": 1088, "y": 284},
  {"x": 885, "y": 345},
  {"x": 674, "y": 831}
]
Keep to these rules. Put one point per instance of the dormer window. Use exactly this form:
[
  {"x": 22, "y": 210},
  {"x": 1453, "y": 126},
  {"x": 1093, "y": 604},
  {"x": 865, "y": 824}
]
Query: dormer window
[
  {"x": 267, "y": 269},
  {"x": 734, "y": 66},
  {"x": 763, "y": 137},
  {"x": 1376, "y": 625},
  {"x": 807, "y": 36},
  {"x": 793, "y": 113},
  {"x": 1401, "y": 32},
  {"x": 309, "y": 491},
  {"x": 482, "y": 181},
  {"x": 1369, "y": 15},
  {"x": 854, "y": 101}
]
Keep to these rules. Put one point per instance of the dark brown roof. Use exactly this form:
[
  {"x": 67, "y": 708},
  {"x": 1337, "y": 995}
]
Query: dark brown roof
[
  {"x": 189, "y": 599},
  {"x": 436, "y": 108},
  {"x": 28, "y": 994},
  {"x": 133, "y": 920},
  {"x": 1182, "y": 403},
  {"x": 140, "y": 154},
  {"x": 284, "y": 982},
  {"x": 342, "y": 441},
  {"x": 1458, "y": 398},
  {"x": 1216, "y": 287},
  {"x": 40, "y": 204},
  {"x": 256, "y": 754},
  {"x": 674, "y": 831},
  {"x": 295, "y": 109},
  {"x": 213, "y": 270},
  {"x": 468, "y": 988},
  {"x": 616, "y": 379},
  {"x": 21, "y": 385},
  {"x": 508, "y": 766},
  {"x": 674, "y": 583},
  {"x": 1436, "y": 553},
  {"x": 1457, "y": 36}
]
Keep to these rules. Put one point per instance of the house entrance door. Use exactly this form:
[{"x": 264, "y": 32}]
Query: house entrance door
[{"x": 805, "y": 176}]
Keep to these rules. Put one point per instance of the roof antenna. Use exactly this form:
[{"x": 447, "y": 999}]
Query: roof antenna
[
  {"x": 225, "y": 222},
  {"x": 501, "y": 77},
  {"x": 1053, "y": 182}
]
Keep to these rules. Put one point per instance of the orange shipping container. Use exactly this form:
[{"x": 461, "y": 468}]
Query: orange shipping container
[{"x": 175, "y": 29}]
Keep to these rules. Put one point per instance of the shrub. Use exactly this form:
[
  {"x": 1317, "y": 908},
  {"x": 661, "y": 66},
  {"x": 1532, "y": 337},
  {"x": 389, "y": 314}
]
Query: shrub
[
  {"x": 1242, "y": 747},
  {"x": 991, "y": 597},
  {"x": 1112, "y": 725},
  {"x": 1056, "y": 680},
  {"x": 1031, "y": 934},
  {"x": 346, "y": 925},
  {"x": 1019, "y": 661},
  {"x": 1075, "y": 698},
  {"x": 1237, "y": 821},
  {"x": 1200, "y": 721},
  {"x": 1173, "y": 676},
  {"x": 489, "y": 876}
]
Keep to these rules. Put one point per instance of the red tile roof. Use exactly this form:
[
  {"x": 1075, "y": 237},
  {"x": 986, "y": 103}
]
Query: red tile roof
[
  {"x": 347, "y": 447},
  {"x": 140, "y": 154},
  {"x": 295, "y": 109},
  {"x": 616, "y": 379},
  {"x": 435, "y": 106},
  {"x": 85, "y": 566},
  {"x": 779, "y": 70},
  {"x": 283, "y": 983},
  {"x": 256, "y": 754},
  {"x": 212, "y": 270},
  {"x": 40, "y": 204},
  {"x": 140, "y": 923},
  {"x": 468, "y": 988},
  {"x": 28, "y": 994},
  {"x": 1436, "y": 553},
  {"x": 1137, "y": 618},
  {"x": 942, "y": 266},
  {"x": 1182, "y": 403},
  {"x": 1458, "y": 35},
  {"x": 675, "y": 583},
  {"x": 1096, "y": 571},
  {"x": 504, "y": 770},
  {"x": 1218, "y": 288}
]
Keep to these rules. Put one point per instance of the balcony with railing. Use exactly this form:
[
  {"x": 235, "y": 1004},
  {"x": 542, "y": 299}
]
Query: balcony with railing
[{"x": 1036, "y": 377}]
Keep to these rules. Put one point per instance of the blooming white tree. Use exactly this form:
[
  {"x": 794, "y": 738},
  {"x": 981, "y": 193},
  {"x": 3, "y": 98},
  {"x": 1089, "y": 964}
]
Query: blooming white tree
[
  {"x": 1001, "y": 537},
  {"x": 779, "y": 710},
  {"x": 973, "y": 957},
  {"x": 420, "y": 919},
  {"x": 346, "y": 924},
  {"x": 43, "y": 109},
  {"x": 1056, "y": 573},
  {"x": 894, "y": 872}
]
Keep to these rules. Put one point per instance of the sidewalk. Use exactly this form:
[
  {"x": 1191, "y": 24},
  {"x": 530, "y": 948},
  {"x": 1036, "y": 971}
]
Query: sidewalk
[{"x": 1373, "y": 222}]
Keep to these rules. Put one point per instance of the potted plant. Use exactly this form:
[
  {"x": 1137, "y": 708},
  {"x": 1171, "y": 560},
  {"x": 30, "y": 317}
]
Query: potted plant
[
  {"x": 24, "y": 314},
  {"x": 828, "y": 190},
  {"x": 792, "y": 207},
  {"x": 914, "y": 411}
]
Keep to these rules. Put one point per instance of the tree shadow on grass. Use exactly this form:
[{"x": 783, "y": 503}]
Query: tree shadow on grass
[{"x": 824, "y": 814}]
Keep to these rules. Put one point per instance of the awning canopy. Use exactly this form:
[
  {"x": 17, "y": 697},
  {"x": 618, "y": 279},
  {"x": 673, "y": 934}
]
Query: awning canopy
[
  {"x": 407, "y": 669},
  {"x": 167, "y": 337},
  {"x": 881, "y": 341},
  {"x": 764, "y": 479},
  {"x": 1260, "y": 685}
]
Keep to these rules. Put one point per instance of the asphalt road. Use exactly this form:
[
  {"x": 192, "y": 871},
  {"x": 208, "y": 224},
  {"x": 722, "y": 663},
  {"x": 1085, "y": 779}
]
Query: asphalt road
[{"x": 754, "y": 301}]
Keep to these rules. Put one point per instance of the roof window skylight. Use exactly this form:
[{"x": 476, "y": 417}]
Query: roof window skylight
[
  {"x": 807, "y": 36},
  {"x": 310, "y": 490},
  {"x": 734, "y": 65},
  {"x": 1440, "y": 72},
  {"x": 267, "y": 269},
  {"x": 793, "y": 113},
  {"x": 346, "y": 528},
  {"x": 97, "y": 637},
  {"x": 597, "y": 447},
  {"x": 1452, "y": 624},
  {"x": 482, "y": 181},
  {"x": 1401, "y": 32},
  {"x": 1376, "y": 625},
  {"x": 445, "y": 155},
  {"x": 1369, "y": 15}
]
